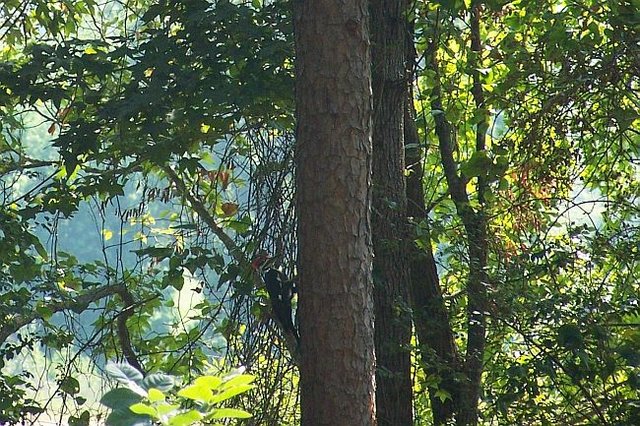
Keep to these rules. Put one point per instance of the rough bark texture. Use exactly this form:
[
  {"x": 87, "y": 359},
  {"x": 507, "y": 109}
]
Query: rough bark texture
[
  {"x": 438, "y": 351},
  {"x": 390, "y": 264},
  {"x": 333, "y": 161}
]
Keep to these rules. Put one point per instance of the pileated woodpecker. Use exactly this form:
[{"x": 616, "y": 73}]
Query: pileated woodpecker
[{"x": 281, "y": 291}]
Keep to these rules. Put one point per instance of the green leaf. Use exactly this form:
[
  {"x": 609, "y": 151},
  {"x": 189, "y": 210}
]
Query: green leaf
[
  {"x": 155, "y": 395},
  {"x": 442, "y": 395},
  {"x": 177, "y": 282},
  {"x": 242, "y": 379},
  {"x": 123, "y": 373},
  {"x": 158, "y": 253},
  {"x": 197, "y": 393},
  {"x": 41, "y": 250},
  {"x": 162, "y": 382},
  {"x": 478, "y": 165},
  {"x": 164, "y": 408},
  {"x": 230, "y": 393},
  {"x": 127, "y": 418},
  {"x": 211, "y": 382},
  {"x": 185, "y": 419},
  {"x": 70, "y": 386},
  {"x": 570, "y": 337},
  {"x": 44, "y": 311},
  {"x": 83, "y": 420},
  {"x": 630, "y": 354},
  {"x": 625, "y": 117},
  {"x": 230, "y": 413},
  {"x": 241, "y": 225},
  {"x": 141, "y": 408},
  {"x": 120, "y": 397}
]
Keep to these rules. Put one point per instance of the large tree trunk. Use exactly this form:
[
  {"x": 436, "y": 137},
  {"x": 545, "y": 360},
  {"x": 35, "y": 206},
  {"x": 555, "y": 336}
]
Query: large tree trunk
[
  {"x": 390, "y": 266},
  {"x": 333, "y": 158}
]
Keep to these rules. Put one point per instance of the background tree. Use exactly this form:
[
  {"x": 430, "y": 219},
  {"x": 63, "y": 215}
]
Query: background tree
[
  {"x": 134, "y": 114},
  {"x": 389, "y": 213},
  {"x": 436, "y": 345},
  {"x": 470, "y": 110}
]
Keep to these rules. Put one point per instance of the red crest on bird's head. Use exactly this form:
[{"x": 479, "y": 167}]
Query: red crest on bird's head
[{"x": 261, "y": 257}]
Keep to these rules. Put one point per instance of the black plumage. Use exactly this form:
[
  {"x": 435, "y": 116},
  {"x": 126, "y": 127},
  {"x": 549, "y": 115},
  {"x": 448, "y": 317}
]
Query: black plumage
[{"x": 281, "y": 291}]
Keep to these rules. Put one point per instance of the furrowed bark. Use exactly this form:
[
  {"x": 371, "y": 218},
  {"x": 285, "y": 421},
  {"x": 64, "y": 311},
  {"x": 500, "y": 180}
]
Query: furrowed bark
[
  {"x": 333, "y": 177},
  {"x": 390, "y": 263}
]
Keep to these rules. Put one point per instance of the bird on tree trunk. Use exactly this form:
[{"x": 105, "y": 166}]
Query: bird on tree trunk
[{"x": 281, "y": 291}]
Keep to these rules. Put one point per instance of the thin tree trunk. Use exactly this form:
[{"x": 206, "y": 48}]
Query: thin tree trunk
[
  {"x": 475, "y": 226},
  {"x": 390, "y": 266},
  {"x": 333, "y": 159},
  {"x": 438, "y": 351}
]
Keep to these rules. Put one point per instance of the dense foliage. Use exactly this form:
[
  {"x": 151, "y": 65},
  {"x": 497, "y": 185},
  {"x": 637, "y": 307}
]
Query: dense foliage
[
  {"x": 151, "y": 399},
  {"x": 146, "y": 155}
]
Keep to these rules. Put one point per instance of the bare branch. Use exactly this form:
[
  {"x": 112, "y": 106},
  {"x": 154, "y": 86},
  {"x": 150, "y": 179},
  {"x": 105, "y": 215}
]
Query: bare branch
[
  {"x": 76, "y": 304},
  {"x": 234, "y": 250}
]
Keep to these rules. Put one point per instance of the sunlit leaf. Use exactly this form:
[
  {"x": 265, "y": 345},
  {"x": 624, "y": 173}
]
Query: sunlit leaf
[
  {"x": 140, "y": 408},
  {"x": 230, "y": 413},
  {"x": 197, "y": 393}
]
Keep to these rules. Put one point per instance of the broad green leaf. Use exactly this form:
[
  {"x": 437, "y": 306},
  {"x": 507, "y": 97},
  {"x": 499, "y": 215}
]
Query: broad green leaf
[
  {"x": 83, "y": 420},
  {"x": 625, "y": 117},
  {"x": 154, "y": 395},
  {"x": 211, "y": 382},
  {"x": 127, "y": 418},
  {"x": 242, "y": 379},
  {"x": 141, "y": 408},
  {"x": 70, "y": 385},
  {"x": 631, "y": 354},
  {"x": 119, "y": 398},
  {"x": 230, "y": 413},
  {"x": 44, "y": 311},
  {"x": 41, "y": 250},
  {"x": 123, "y": 373},
  {"x": 478, "y": 165},
  {"x": 197, "y": 393},
  {"x": 162, "y": 382},
  {"x": 230, "y": 393},
  {"x": 569, "y": 336},
  {"x": 241, "y": 226},
  {"x": 443, "y": 395},
  {"x": 185, "y": 419},
  {"x": 158, "y": 253},
  {"x": 164, "y": 408}
]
